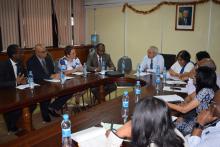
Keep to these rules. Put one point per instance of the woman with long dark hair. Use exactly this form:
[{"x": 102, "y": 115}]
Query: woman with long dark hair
[
  {"x": 205, "y": 90},
  {"x": 151, "y": 126}
]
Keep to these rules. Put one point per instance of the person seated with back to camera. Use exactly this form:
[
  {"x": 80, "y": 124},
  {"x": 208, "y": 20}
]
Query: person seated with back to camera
[
  {"x": 151, "y": 60},
  {"x": 151, "y": 126},
  {"x": 73, "y": 64},
  {"x": 205, "y": 90},
  {"x": 94, "y": 63},
  {"x": 182, "y": 66}
]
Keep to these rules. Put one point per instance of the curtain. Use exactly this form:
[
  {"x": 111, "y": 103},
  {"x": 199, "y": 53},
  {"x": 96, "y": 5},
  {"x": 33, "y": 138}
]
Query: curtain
[
  {"x": 63, "y": 13},
  {"x": 9, "y": 22},
  {"x": 36, "y": 22},
  {"x": 79, "y": 22}
]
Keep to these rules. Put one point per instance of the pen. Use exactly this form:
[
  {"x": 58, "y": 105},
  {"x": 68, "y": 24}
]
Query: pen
[{"x": 111, "y": 126}]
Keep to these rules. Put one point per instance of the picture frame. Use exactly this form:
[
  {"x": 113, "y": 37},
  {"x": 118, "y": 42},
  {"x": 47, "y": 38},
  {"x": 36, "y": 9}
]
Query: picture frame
[{"x": 185, "y": 17}]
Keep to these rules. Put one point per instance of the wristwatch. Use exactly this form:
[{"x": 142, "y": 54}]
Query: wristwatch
[{"x": 198, "y": 126}]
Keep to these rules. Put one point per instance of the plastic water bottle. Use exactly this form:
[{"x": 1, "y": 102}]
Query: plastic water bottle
[
  {"x": 125, "y": 106},
  {"x": 123, "y": 66},
  {"x": 138, "y": 70},
  {"x": 62, "y": 69},
  {"x": 31, "y": 80},
  {"x": 157, "y": 81},
  {"x": 66, "y": 131},
  {"x": 84, "y": 70},
  {"x": 137, "y": 91},
  {"x": 164, "y": 75}
]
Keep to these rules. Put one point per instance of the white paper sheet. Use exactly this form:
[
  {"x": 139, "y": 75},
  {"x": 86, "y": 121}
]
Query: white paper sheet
[
  {"x": 175, "y": 82},
  {"x": 170, "y": 98},
  {"x": 79, "y": 73},
  {"x": 52, "y": 80},
  {"x": 94, "y": 136},
  {"x": 143, "y": 74},
  {"x": 182, "y": 89},
  {"x": 68, "y": 78},
  {"x": 21, "y": 87}
]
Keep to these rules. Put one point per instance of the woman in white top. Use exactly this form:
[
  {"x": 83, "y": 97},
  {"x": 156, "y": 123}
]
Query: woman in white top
[
  {"x": 71, "y": 61},
  {"x": 151, "y": 125},
  {"x": 182, "y": 66},
  {"x": 72, "y": 64}
]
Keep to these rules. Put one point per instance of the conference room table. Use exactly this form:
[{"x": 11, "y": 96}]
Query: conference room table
[{"x": 105, "y": 111}]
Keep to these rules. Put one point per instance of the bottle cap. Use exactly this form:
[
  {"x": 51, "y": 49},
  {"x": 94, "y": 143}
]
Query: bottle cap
[
  {"x": 65, "y": 116},
  {"x": 125, "y": 93}
]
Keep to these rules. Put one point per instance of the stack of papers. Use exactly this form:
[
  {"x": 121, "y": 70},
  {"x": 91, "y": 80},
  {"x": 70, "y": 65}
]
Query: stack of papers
[
  {"x": 175, "y": 82},
  {"x": 169, "y": 98},
  {"x": 142, "y": 74},
  {"x": 79, "y": 73},
  {"x": 21, "y": 87},
  {"x": 175, "y": 89}
]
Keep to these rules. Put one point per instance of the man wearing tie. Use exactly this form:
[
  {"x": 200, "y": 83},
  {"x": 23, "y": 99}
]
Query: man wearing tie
[
  {"x": 185, "y": 19},
  {"x": 12, "y": 73},
  {"x": 151, "y": 60},
  {"x": 94, "y": 64},
  {"x": 42, "y": 66}
]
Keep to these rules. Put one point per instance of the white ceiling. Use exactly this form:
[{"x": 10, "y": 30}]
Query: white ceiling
[{"x": 101, "y": 3}]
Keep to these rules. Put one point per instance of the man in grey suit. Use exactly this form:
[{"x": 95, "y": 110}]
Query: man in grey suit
[
  {"x": 95, "y": 59},
  {"x": 94, "y": 64}
]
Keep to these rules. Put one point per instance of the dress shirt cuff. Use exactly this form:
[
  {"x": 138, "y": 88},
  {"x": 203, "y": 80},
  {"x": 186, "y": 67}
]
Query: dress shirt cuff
[
  {"x": 114, "y": 140},
  {"x": 193, "y": 141}
]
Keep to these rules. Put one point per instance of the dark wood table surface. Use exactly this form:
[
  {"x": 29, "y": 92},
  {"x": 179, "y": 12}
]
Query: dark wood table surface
[{"x": 109, "y": 111}]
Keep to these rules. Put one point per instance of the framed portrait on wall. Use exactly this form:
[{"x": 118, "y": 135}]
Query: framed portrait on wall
[{"x": 185, "y": 17}]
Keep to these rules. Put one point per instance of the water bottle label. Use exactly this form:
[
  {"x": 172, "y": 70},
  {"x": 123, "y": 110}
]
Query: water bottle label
[
  {"x": 125, "y": 104},
  {"x": 66, "y": 132},
  {"x": 157, "y": 80},
  {"x": 137, "y": 91}
]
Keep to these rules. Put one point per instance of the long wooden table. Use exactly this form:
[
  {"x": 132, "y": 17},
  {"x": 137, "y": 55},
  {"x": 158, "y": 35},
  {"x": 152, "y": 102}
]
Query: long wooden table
[{"x": 51, "y": 135}]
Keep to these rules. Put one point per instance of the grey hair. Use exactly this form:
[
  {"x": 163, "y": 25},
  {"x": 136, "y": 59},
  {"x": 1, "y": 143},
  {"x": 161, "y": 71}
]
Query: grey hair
[{"x": 154, "y": 48}]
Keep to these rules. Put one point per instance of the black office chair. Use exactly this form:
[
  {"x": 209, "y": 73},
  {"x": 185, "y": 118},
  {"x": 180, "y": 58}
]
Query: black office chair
[{"x": 169, "y": 60}]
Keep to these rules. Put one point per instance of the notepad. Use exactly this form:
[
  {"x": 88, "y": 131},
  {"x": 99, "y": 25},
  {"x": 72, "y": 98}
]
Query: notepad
[
  {"x": 170, "y": 98},
  {"x": 94, "y": 136}
]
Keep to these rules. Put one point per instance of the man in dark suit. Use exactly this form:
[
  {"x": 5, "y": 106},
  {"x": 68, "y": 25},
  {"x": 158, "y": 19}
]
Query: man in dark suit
[
  {"x": 42, "y": 67},
  {"x": 185, "y": 19},
  {"x": 94, "y": 64},
  {"x": 12, "y": 73}
]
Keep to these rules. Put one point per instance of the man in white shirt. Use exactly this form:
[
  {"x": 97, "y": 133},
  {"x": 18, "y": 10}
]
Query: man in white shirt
[
  {"x": 151, "y": 60},
  {"x": 206, "y": 132}
]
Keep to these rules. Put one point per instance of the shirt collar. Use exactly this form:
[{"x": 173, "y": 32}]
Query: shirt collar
[{"x": 13, "y": 63}]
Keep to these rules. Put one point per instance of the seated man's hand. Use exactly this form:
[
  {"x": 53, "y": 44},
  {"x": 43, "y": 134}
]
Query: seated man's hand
[
  {"x": 55, "y": 76},
  {"x": 21, "y": 79}
]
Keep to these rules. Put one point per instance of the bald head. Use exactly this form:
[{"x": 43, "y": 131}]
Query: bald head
[
  {"x": 207, "y": 62},
  {"x": 40, "y": 51}
]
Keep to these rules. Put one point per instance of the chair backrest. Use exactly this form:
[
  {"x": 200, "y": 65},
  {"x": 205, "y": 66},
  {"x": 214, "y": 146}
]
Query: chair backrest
[
  {"x": 169, "y": 60},
  {"x": 128, "y": 64}
]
